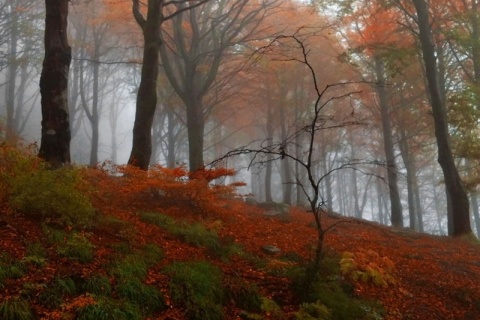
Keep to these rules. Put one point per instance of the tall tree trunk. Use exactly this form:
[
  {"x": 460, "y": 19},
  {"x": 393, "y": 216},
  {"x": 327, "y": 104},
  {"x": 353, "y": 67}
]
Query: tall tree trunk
[
  {"x": 12, "y": 74},
  {"x": 284, "y": 165},
  {"x": 95, "y": 120},
  {"x": 269, "y": 167},
  {"x": 301, "y": 198},
  {"x": 418, "y": 202},
  {"x": 476, "y": 214},
  {"x": 356, "y": 204},
  {"x": 171, "y": 141},
  {"x": 395, "y": 203},
  {"x": 147, "y": 91},
  {"x": 456, "y": 193},
  {"x": 195, "y": 131},
  {"x": 55, "y": 141},
  {"x": 405, "y": 152},
  {"x": 328, "y": 182}
]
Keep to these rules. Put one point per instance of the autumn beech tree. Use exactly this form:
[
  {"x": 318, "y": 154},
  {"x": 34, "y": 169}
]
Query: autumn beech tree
[
  {"x": 157, "y": 12},
  {"x": 55, "y": 140}
]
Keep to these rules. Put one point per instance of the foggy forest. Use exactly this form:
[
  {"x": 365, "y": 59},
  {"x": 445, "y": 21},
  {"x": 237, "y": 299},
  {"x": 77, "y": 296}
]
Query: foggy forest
[{"x": 206, "y": 135}]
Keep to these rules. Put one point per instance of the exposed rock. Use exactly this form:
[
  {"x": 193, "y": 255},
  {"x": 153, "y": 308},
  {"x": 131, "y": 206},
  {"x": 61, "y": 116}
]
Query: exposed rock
[
  {"x": 280, "y": 207},
  {"x": 272, "y": 213},
  {"x": 271, "y": 249},
  {"x": 251, "y": 201}
]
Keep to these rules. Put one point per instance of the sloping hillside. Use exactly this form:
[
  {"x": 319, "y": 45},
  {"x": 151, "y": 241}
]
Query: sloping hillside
[{"x": 152, "y": 244}]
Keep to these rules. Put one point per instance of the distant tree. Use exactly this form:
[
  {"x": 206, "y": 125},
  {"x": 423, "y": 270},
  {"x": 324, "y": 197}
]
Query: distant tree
[
  {"x": 55, "y": 140},
  {"x": 198, "y": 41},
  {"x": 269, "y": 150},
  {"x": 21, "y": 38}
]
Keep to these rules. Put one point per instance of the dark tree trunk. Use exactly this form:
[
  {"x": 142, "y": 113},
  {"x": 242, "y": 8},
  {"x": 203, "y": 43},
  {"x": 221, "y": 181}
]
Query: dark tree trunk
[
  {"x": 55, "y": 141},
  {"x": 456, "y": 193},
  {"x": 147, "y": 91},
  {"x": 195, "y": 130},
  {"x": 395, "y": 203}
]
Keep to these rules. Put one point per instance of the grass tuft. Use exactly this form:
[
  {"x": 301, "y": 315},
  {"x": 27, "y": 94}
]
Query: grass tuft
[{"x": 197, "y": 287}]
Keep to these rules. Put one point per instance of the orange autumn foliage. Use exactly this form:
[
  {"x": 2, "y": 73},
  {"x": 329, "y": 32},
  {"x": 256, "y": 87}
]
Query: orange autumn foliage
[{"x": 191, "y": 191}]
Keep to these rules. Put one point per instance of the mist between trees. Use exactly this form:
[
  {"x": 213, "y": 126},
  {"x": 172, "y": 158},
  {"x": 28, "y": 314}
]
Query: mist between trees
[{"x": 388, "y": 87}]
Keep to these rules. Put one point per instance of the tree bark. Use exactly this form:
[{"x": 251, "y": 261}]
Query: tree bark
[
  {"x": 147, "y": 91},
  {"x": 195, "y": 131},
  {"x": 395, "y": 203},
  {"x": 456, "y": 193},
  {"x": 55, "y": 140}
]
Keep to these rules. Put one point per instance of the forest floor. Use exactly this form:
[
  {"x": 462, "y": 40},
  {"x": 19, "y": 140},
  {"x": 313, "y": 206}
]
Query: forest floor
[{"x": 433, "y": 277}]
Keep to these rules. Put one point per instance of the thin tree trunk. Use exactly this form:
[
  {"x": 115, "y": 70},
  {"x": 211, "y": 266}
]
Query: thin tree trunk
[
  {"x": 55, "y": 140},
  {"x": 405, "y": 152},
  {"x": 170, "y": 138},
  {"x": 95, "y": 112},
  {"x": 395, "y": 203},
  {"x": 476, "y": 214},
  {"x": 418, "y": 203}
]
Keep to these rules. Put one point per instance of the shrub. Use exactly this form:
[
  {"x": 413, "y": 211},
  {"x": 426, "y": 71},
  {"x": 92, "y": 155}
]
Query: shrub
[
  {"x": 15, "y": 309},
  {"x": 197, "y": 287},
  {"x": 327, "y": 288},
  {"x": 77, "y": 247},
  {"x": 60, "y": 196},
  {"x": 158, "y": 219},
  {"x": 367, "y": 265}
]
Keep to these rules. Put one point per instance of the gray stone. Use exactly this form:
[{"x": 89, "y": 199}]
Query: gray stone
[{"x": 271, "y": 249}]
